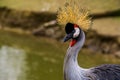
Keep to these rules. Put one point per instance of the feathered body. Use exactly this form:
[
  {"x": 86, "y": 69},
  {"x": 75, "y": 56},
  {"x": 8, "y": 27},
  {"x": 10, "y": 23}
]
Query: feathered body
[
  {"x": 106, "y": 72},
  {"x": 72, "y": 71},
  {"x": 76, "y": 21}
]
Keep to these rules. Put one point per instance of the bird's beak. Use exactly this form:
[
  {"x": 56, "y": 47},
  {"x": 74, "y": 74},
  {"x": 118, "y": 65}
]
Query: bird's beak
[{"x": 68, "y": 36}]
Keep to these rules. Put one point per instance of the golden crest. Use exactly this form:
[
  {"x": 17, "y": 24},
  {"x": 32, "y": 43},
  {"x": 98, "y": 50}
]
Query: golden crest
[{"x": 72, "y": 12}]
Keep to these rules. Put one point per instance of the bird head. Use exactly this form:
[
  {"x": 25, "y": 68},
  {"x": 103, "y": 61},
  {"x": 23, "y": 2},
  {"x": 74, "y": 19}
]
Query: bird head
[{"x": 73, "y": 32}]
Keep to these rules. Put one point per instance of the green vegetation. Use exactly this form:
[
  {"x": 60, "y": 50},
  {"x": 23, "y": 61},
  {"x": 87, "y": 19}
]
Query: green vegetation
[{"x": 45, "y": 56}]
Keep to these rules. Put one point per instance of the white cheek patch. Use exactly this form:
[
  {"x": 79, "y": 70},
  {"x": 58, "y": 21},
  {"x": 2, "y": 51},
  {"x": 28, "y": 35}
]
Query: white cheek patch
[{"x": 77, "y": 32}]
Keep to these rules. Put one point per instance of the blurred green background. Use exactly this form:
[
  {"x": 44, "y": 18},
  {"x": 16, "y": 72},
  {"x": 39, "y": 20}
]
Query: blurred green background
[{"x": 31, "y": 46}]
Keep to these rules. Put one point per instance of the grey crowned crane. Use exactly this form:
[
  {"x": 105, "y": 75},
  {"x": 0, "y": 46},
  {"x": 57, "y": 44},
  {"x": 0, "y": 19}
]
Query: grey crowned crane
[
  {"x": 72, "y": 71},
  {"x": 76, "y": 20}
]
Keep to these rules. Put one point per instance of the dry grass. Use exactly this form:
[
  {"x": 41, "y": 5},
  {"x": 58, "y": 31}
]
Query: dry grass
[
  {"x": 100, "y": 6},
  {"x": 31, "y": 5},
  {"x": 52, "y": 5},
  {"x": 107, "y": 26}
]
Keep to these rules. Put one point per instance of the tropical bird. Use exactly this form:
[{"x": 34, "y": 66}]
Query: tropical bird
[
  {"x": 72, "y": 71},
  {"x": 76, "y": 20}
]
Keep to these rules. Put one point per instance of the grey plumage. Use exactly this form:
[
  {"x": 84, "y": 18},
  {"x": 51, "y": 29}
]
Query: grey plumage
[
  {"x": 106, "y": 72},
  {"x": 72, "y": 71}
]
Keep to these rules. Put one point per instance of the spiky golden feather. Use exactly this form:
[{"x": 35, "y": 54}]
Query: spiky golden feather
[{"x": 71, "y": 12}]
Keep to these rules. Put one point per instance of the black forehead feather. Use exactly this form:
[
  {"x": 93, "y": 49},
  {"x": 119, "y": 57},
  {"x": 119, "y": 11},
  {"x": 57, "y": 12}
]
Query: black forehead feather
[{"x": 69, "y": 28}]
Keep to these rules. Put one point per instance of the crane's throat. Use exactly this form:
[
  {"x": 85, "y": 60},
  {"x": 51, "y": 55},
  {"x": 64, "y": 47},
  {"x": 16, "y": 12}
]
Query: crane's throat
[{"x": 73, "y": 42}]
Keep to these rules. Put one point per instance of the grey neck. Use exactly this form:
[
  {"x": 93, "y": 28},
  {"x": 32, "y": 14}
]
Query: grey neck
[
  {"x": 72, "y": 52},
  {"x": 70, "y": 61}
]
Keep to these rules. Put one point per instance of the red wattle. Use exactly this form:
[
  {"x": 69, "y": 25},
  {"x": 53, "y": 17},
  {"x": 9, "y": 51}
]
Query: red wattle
[
  {"x": 76, "y": 26},
  {"x": 72, "y": 43}
]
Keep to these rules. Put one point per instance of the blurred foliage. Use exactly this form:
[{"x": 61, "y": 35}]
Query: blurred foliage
[
  {"x": 32, "y": 5},
  {"x": 23, "y": 19},
  {"x": 45, "y": 55},
  {"x": 52, "y": 5},
  {"x": 44, "y": 47}
]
